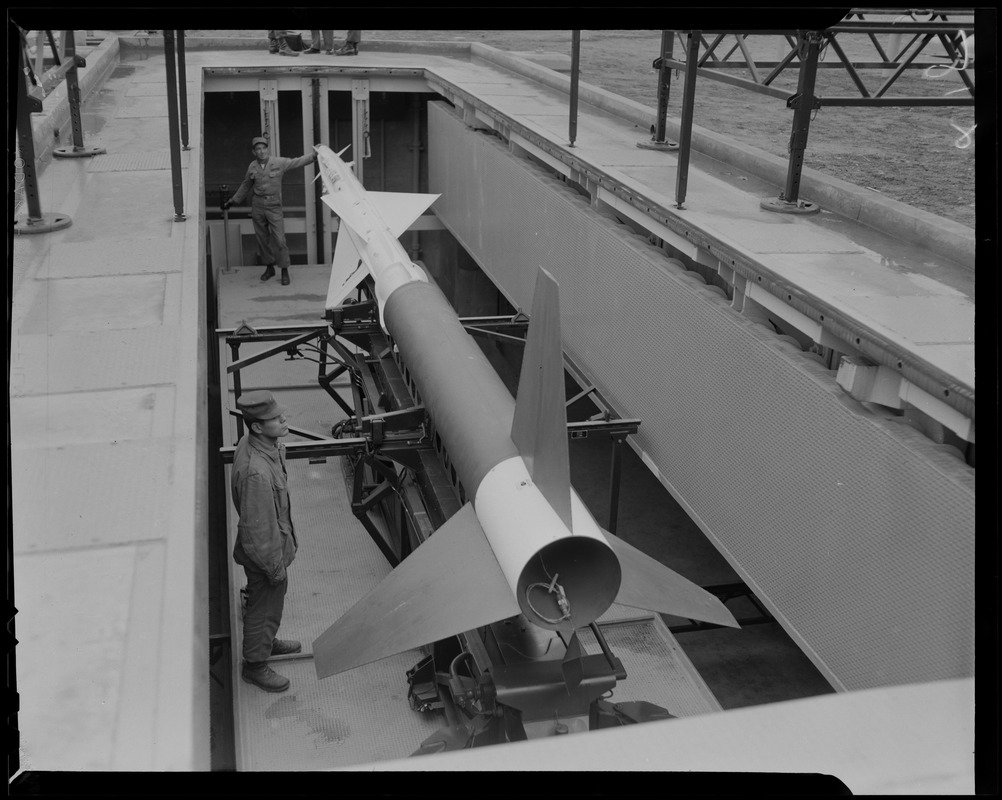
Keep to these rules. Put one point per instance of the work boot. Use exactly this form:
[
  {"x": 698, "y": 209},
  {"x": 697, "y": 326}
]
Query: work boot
[
  {"x": 273, "y": 46},
  {"x": 269, "y": 273},
  {"x": 312, "y": 49},
  {"x": 348, "y": 49},
  {"x": 285, "y": 647},
  {"x": 264, "y": 677},
  {"x": 285, "y": 277},
  {"x": 284, "y": 49}
]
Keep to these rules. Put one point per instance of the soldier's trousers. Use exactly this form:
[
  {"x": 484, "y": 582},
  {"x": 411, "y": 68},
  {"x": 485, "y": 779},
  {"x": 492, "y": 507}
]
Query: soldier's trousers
[
  {"x": 262, "y": 616},
  {"x": 269, "y": 228}
]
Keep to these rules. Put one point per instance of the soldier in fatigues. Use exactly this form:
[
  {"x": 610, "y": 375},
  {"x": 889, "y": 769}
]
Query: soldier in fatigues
[
  {"x": 264, "y": 181},
  {"x": 266, "y": 539}
]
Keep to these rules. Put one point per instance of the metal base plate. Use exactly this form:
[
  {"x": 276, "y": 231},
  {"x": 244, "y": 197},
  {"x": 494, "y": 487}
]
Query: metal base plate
[
  {"x": 47, "y": 223},
  {"x": 785, "y": 207},
  {"x": 666, "y": 145},
  {"x": 77, "y": 152}
]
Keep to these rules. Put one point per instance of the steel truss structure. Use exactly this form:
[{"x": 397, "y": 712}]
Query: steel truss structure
[{"x": 718, "y": 54}]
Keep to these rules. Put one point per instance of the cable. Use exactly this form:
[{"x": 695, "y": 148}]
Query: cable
[
  {"x": 453, "y": 665},
  {"x": 562, "y": 600},
  {"x": 526, "y": 656}
]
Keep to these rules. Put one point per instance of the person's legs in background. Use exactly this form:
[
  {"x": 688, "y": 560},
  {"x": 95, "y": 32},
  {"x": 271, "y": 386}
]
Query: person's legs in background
[{"x": 262, "y": 231}]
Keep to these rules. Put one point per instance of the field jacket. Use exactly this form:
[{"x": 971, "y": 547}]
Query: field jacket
[
  {"x": 266, "y": 539},
  {"x": 265, "y": 182}
]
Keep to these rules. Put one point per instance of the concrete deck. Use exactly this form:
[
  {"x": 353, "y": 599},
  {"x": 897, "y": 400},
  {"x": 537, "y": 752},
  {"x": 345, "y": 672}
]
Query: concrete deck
[{"x": 107, "y": 416}]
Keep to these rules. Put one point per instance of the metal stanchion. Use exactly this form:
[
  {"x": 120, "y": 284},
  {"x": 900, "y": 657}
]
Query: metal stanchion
[
  {"x": 37, "y": 221},
  {"x": 803, "y": 103},
  {"x": 172, "y": 121},
  {"x": 223, "y": 196},
  {"x": 182, "y": 83},
  {"x": 575, "y": 72},
  {"x": 685, "y": 126},
  {"x": 77, "y": 150},
  {"x": 658, "y": 130}
]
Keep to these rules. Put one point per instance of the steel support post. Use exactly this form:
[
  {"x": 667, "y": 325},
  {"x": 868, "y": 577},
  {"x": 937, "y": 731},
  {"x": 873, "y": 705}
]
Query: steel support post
[
  {"x": 614, "y": 481},
  {"x": 572, "y": 132},
  {"x": 172, "y": 121},
  {"x": 182, "y": 83},
  {"x": 318, "y": 204},
  {"x": 803, "y": 104},
  {"x": 360, "y": 143},
  {"x": 25, "y": 174},
  {"x": 685, "y": 127},
  {"x": 237, "y": 385},
  {"x": 73, "y": 95},
  {"x": 659, "y": 129},
  {"x": 224, "y": 193}
]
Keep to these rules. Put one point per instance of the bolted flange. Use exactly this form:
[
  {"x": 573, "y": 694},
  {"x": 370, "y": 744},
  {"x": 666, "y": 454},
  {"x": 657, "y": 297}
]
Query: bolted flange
[
  {"x": 43, "y": 224},
  {"x": 77, "y": 152},
  {"x": 650, "y": 144},
  {"x": 781, "y": 206}
]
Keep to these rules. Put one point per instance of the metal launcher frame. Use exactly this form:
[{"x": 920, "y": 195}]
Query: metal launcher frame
[{"x": 503, "y": 682}]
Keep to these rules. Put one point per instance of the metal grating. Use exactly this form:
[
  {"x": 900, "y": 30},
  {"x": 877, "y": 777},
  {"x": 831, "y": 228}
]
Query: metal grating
[
  {"x": 856, "y": 531},
  {"x": 89, "y": 259},
  {"x": 128, "y": 162},
  {"x": 657, "y": 670},
  {"x": 356, "y": 717},
  {"x": 42, "y": 364},
  {"x": 61, "y": 498},
  {"x": 95, "y": 305}
]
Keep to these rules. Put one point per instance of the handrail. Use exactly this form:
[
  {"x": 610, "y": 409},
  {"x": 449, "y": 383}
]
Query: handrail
[
  {"x": 29, "y": 100},
  {"x": 807, "y": 49}
]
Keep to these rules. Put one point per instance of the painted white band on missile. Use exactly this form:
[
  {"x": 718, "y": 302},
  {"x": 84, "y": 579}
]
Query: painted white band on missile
[{"x": 535, "y": 550}]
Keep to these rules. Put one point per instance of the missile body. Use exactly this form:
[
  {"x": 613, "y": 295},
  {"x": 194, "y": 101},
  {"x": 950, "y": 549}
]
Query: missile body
[
  {"x": 473, "y": 412},
  {"x": 526, "y": 543}
]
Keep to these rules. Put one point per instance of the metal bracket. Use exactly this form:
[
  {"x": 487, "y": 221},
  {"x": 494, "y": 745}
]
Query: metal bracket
[
  {"x": 405, "y": 419},
  {"x": 794, "y": 101}
]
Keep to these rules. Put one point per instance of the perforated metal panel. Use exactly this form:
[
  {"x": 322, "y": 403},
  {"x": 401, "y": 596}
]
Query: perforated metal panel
[
  {"x": 125, "y": 162},
  {"x": 657, "y": 669},
  {"x": 360, "y": 716},
  {"x": 856, "y": 531}
]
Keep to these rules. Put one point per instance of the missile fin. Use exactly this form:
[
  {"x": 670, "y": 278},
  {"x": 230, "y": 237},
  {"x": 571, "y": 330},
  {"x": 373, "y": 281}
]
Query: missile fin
[
  {"x": 450, "y": 584},
  {"x": 400, "y": 209},
  {"x": 650, "y": 585},
  {"x": 348, "y": 269},
  {"x": 539, "y": 426},
  {"x": 571, "y": 667}
]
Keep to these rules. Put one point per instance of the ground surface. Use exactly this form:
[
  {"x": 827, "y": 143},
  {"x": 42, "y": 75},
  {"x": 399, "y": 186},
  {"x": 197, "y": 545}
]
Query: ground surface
[{"x": 917, "y": 155}]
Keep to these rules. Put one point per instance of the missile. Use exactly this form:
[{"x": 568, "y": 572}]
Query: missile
[{"x": 526, "y": 543}]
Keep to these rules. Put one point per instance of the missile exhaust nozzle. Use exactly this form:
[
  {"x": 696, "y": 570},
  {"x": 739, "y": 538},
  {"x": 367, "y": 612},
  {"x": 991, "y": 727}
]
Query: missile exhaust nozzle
[{"x": 569, "y": 583}]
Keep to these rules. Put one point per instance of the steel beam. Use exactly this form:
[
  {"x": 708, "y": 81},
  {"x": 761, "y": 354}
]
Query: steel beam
[
  {"x": 685, "y": 126},
  {"x": 37, "y": 221},
  {"x": 172, "y": 121},
  {"x": 572, "y": 132},
  {"x": 182, "y": 82}
]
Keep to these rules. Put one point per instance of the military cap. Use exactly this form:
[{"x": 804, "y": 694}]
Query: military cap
[
  {"x": 259, "y": 140},
  {"x": 260, "y": 405}
]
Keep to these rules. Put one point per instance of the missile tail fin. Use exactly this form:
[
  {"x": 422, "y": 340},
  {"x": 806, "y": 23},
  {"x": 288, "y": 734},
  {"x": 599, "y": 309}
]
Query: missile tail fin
[
  {"x": 348, "y": 269},
  {"x": 400, "y": 209},
  {"x": 539, "y": 427},
  {"x": 650, "y": 585},
  {"x": 450, "y": 584}
]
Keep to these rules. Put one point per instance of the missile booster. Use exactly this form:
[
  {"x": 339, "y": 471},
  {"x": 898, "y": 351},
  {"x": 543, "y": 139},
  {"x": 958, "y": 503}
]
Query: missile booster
[{"x": 525, "y": 543}]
